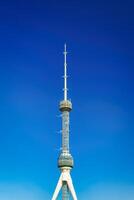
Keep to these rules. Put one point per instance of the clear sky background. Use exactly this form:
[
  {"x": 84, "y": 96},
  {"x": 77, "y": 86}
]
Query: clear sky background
[{"x": 100, "y": 41}]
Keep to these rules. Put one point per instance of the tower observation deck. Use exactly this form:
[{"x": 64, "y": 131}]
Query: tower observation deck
[{"x": 65, "y": 160}]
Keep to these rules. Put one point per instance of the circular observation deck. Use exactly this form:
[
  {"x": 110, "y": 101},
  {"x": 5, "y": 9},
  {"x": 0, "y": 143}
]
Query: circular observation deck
[
  {"x": 65, "y": 160},
  {"x": 65, "y": 105}
]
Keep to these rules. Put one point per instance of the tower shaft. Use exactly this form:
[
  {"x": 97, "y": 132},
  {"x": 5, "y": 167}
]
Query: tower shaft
[
  {"x": 65, "y": 132},
  {"x": 65, "y": 191}
]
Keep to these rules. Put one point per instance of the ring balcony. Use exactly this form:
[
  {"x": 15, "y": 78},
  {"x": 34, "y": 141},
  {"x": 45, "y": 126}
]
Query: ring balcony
[
  {"x": 65, "y": 105},
  {"x": 65, "y": 160}
]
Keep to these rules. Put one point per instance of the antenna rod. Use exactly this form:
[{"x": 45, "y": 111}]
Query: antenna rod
[{"x": 65, "y": 73}]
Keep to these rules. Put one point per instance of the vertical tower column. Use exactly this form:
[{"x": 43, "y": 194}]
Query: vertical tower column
[
  {"x": 65, "y": 159},
  {"x": 65, "y": 132},
  {"x": 65, "y": 191}
]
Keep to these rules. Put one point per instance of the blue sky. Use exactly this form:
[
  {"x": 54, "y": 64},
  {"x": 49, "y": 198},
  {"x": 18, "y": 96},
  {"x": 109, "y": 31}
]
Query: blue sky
[{"x": 100, "y": 43}]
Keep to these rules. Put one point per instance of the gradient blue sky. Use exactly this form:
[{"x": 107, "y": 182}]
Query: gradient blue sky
[{"x": 100, "y": 42}]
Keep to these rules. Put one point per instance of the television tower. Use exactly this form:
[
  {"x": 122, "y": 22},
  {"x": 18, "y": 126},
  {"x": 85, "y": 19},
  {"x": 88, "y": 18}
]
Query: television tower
[{"x": 65, "y": 161}]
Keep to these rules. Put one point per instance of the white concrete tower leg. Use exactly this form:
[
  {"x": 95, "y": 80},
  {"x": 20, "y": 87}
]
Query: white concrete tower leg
[
  {"x": 71, "y": 187},
  {"x": 58, "y": 187}
]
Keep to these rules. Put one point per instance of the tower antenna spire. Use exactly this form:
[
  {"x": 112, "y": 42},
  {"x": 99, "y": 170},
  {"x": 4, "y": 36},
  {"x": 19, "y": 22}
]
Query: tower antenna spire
[{"x": 65, "y": 72}]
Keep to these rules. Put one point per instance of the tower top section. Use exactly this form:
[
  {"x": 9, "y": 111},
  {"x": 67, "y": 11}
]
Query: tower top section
[
  {"x": 65, "y": 104},
  {"x": 65, "y": 72}
]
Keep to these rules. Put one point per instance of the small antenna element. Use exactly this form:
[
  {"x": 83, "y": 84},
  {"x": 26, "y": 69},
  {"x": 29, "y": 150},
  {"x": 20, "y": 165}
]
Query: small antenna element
[{"x": 65, "y": 73}]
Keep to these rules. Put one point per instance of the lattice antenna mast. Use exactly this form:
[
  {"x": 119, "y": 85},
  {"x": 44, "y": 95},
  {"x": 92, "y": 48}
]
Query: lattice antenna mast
[{"x": 65, "y": 73}]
